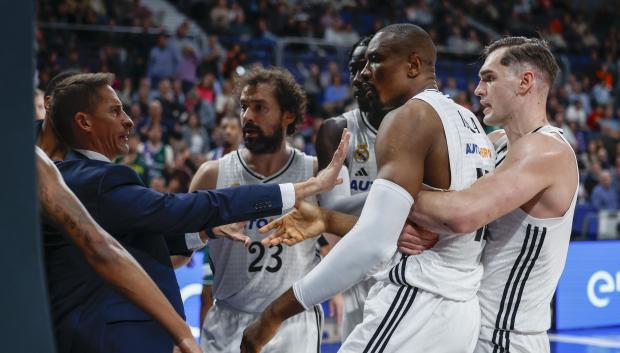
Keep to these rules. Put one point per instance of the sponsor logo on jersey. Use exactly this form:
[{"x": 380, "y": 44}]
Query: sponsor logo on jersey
[
  {"x": 472, "y": 148},
  {"x": 361, "y": 153},
  {"x": 361, "y": 185},
  {"x": 361, "y": 172},
  {"x": 233, "y": 185},
  {"x": 258, "y": 223}
]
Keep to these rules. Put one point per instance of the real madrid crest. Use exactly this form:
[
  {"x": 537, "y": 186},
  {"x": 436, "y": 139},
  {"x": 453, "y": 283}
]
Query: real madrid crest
[{"x": 361, "y": 153}]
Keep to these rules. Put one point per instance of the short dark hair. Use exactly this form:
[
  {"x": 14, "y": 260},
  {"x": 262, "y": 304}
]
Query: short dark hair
[
  {"x": 413, "y": 38},
  {"x": 533, "y": 51},
  {"x": 51, "y": 85},
  {"x": 363, "y": 42},
  {"x": 78, "y": 93},
  {"x": 289, "y": 94}
]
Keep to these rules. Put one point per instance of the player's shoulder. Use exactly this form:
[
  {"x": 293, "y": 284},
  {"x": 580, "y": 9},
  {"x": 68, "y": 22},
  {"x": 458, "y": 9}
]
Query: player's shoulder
[
  {"x": 415, "y": 116},
  {"x": 543, "y": 149},
  {"x": 206, "y": 176},
  {"x": 334, "y": 125}
]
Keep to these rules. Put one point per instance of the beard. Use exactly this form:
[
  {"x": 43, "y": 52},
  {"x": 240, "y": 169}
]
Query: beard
[{"x": 260, "y": 143}]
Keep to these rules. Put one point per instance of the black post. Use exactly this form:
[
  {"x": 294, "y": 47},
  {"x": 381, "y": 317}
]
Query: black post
[{"x": 25, "y": 324}]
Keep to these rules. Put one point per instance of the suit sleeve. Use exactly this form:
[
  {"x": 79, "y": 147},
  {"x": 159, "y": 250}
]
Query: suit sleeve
[{"x": 126, "y": 205}]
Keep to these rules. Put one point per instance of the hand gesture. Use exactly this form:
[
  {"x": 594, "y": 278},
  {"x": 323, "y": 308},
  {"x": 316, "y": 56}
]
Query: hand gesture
[
  {"x": 328, "y": 177},
  {"x": 304, "y": 222},
  {"x": 233, "y": 231},
  {"x": 414, "y": 239}
]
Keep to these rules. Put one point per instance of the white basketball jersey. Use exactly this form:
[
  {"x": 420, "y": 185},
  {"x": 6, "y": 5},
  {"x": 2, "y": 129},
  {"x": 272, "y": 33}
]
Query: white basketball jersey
[
  {"x": 361, "y": 159},
  {"x": 523, "y": 260},
  {"x": 248, "y": 279},
  {"x": 452, "y": 268}
]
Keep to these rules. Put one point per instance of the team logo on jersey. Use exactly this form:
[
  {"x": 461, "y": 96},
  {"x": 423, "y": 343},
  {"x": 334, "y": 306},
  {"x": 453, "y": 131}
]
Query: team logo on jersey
[
  {"x": 361, "y": 172},
  {"x": 361, "y": 153},
  {"x": 472, "y": 148}
]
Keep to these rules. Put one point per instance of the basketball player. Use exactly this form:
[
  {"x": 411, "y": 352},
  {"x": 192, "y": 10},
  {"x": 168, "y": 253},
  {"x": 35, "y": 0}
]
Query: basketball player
[
  {"x": 247, "y": 279},
  {"x": 106, "y": 255},
  {"x": 428, "y": 139},
  {"x": 528, "y": 201},
  {"x": 361, "y": 165}
]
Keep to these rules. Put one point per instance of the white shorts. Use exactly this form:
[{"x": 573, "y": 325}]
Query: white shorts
[
  {"x": 495, "y": 341},
  {"x": 223, "y": 329},
  {"x": 354, "y": 299},
  {"x": 408, "y": 319}
]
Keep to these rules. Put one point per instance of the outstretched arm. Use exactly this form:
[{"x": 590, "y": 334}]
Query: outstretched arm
[
  {"x": 111, "y": 261},
  {"x": 526, "y": 172}
]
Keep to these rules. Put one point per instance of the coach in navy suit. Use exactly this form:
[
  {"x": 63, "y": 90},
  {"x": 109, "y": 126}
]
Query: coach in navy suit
[{"x": 88, "y": 315}]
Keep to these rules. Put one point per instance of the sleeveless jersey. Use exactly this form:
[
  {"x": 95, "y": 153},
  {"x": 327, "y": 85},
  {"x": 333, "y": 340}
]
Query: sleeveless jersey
[
  {"x": 523, "y": 260},
  {"x": 248, "y": 279},
  {"x": 452, "y": 268},
  {"x": 361, "y": 159}
]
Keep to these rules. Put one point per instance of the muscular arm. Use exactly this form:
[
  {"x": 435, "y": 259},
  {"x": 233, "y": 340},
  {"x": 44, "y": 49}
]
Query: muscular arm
[
  {"x": 405, "y": 138},
  {"x": 111, "y": 261},
  {"x": 535, "y": 161}
]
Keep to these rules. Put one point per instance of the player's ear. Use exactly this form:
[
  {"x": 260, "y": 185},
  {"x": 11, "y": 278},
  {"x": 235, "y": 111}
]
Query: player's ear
[
  {"x": 288, "y": 118},
  {"x": 527, "y": 81},
  {"x": 414, "y": 65}
]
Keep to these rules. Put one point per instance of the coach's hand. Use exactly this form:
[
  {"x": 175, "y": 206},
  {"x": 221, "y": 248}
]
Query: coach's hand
[
  {"x": 414, "y": 239},
  {"x": 328, "y": 177},
  {"x": 304, "y": 222}
]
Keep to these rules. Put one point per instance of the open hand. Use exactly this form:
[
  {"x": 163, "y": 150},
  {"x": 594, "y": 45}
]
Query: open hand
[
  {"x": 304, "y": 222},
  {"x": 328, "y": 177}
]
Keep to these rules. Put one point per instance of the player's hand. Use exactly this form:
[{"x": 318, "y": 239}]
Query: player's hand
[
  {"x": 336, "y": 307},
  {"x": 258, "y": 334},
  {"x": 304, "y": 222},
  {"x": 233, "y": 231},
  {"x": 414, "y": 239},
  {"x": 328, "y": 177},
  {"x": 187, "y": 346}
]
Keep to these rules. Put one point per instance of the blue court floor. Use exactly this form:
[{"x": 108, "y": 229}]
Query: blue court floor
[{"x": 604, "y": 340}]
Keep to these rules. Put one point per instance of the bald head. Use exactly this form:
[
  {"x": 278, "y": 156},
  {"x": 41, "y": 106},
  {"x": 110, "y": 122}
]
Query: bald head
[{"x": 409, "y": 38}]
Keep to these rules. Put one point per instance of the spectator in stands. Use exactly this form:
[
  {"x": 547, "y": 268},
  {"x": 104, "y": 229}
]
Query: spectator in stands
[
  {"x": 163, "y": 60},
  {"x": 227, "y": 137},
  {"x": 135, "y": 160},
  {"x": 576, "y": 113},
  {"x": 604, "y": 197},
  {"x": 335, "y": 96},
  {"x": 451, "y": 88},
  {"x": 225, "y": 102},
  {"x": 220, "y": 16},
  {"x": 39, "y": 105},
  {"x": 188, "y": 66},
  {"x": 154, "y": 119},
  {"x": 158, "y": 156},
  {"x": 195, "y": 136},
  {"x": 171, "y": 108},
  {"x": 235, "y": 57},
  {"x": 158, "y": 184},
  {"x": 312, "y": 85},
  {"x": 213, "y": 57}
]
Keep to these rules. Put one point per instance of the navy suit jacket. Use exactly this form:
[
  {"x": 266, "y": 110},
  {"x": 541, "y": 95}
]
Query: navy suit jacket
[{"x": 88, "y": 315}]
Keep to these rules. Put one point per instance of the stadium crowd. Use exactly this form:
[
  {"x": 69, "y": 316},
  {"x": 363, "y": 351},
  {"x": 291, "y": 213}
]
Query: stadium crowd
[{"x": 179, "y": 90}]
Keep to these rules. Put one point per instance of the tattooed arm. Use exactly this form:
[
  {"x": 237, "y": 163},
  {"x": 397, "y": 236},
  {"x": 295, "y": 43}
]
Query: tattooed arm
[{"x": 111, "y": 261}]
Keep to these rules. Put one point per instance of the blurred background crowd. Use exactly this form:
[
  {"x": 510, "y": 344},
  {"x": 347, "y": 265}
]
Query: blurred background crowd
[{"x": 176, "y": 61}]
